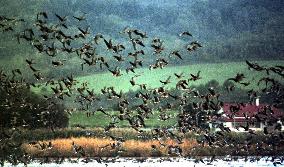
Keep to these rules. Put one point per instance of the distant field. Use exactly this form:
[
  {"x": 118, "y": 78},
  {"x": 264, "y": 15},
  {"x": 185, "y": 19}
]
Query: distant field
[
  {"x": 101, "y": 120},
  {"x": 217, "y": 71}
]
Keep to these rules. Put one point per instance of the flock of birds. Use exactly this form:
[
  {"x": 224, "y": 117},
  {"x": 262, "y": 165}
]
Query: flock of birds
[{"x": 53, "y": 39}]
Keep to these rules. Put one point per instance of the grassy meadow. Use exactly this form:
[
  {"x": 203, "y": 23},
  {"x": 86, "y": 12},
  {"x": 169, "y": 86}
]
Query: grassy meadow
[
  {"x": 101, "y": 120},
  {"x": 217, "y": 71}
]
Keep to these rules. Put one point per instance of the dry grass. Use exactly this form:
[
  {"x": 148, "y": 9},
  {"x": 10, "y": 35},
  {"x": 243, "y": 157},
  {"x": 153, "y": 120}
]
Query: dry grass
[{"x": 93, "y": 147}]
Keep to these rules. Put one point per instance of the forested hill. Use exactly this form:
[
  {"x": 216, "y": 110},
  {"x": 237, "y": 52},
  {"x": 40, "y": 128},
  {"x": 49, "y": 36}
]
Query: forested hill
[{"x": 230, "y": 30}]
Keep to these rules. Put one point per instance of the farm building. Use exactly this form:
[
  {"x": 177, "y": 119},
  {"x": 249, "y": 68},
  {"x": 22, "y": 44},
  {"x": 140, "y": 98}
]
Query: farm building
[{"x": 257, "y": 116}]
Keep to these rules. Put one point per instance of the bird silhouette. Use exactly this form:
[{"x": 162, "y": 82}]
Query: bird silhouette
[
  {"x": 80, "y": 18},
  {"x": 177, "y": 54},
  {"x": 238, "y": 78},
  {"x": 61, "y": 18},
  {"x": 167, "y": 81},
  {"x": 185, "y": 33},
  {"x": 195, "y": 77}
]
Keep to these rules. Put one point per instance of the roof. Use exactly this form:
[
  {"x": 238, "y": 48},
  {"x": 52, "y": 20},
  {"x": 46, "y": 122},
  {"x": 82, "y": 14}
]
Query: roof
[{"x": 236, "y": 112}]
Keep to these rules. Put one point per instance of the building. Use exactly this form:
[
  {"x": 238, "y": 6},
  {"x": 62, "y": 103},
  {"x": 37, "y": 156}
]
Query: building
[{"x": 257, "y": 116}]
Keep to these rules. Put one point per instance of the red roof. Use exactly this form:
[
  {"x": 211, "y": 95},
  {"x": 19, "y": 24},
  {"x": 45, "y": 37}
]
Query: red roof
[{"x": 237, "y": 112}]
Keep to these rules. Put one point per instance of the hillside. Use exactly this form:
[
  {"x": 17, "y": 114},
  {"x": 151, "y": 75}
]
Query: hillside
[{"x": 215, "y": 71}]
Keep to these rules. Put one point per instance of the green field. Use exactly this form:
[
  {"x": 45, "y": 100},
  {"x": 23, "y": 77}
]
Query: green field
[
  {"x": 101, "y": 120},
  {"x": 217, "y": 71}
]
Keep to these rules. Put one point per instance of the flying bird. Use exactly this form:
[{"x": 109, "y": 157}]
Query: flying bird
[
  {"x": 80, "y": 18},
  {"x": 195, "y": 77},
  {"x": 177, "y": 54},
  {"x": 185, "y": 33},
  {"x": 167, "y": 81},
  {"x": 238, "y": 78},
  {"x": 62, "y": 19},
  {"x": 179, "y": 75}
]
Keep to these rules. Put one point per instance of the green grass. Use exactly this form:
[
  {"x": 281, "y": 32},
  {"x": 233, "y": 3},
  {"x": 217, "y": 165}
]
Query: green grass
[
  {"x": 218, "y": 71},
  {"x": 101, "y": 120}
]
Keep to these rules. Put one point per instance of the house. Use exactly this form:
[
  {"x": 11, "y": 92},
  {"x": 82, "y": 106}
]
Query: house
[{"x": 256, "y": 115}]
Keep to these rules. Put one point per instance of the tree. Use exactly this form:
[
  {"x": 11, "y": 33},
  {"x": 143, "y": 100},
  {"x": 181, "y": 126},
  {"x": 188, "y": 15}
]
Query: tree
[{"x": 19, "y": 107}]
